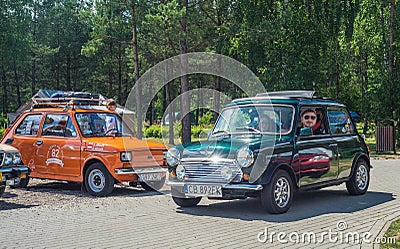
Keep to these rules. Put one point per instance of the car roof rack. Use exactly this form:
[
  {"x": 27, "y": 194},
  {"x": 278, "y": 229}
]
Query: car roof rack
[
  {"x": 65, "y": 102},
  {"x": 288, "y": 94}
]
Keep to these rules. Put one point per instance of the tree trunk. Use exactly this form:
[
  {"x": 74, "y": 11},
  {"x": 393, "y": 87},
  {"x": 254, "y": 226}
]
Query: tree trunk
[
  {"x": 4, "y": 82},
  {"x": 34, "y": 21},
  {"x": 217, "y": 87},
  {"x": 185, "y": 100},
  {"x": 364, "y": 84},
  {"x": 74, "y": 72},
  {"x": 110, "y": 72},
  {"x": 391, "y": 36},
  {"x": 126, "y": 82},
  {"x": 167, "y": 104},
  {"x": 391, "y": 87},
  {"x": 68, "y": 76},
  {"x": 198, "y": 104},
  {"x": 168, "y": 98},
  {"x": 138, "y": 91},
  {"x": 17, "y": 86},
  {"x": 120, "y": 75},
  {"x": 33, "y": 85},
  {"x": 58, "y": 75}
]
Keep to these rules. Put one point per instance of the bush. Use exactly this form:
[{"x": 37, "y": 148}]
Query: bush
[
  {"x": 153, "y": 131},
  {"x": 206, "y": 119},
  {"x": 3, "y": 124},
  {"x": 197, "y": 131},
  {"x": 2, "y": 130}
]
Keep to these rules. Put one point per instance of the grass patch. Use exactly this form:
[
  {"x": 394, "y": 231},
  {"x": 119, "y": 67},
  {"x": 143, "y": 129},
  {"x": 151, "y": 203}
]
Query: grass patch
[
  {"x": 393, "y": 233},
  {"x": 176, "y": 140}
]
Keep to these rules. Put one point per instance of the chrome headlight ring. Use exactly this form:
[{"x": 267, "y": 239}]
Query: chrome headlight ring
[
  {"x": 173, "y": 157},
  {"x": 245, "y": 157}
]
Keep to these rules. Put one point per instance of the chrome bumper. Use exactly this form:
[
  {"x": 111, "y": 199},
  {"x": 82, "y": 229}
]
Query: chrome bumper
[
  {"x": 227, "y": 186},
  {"x": 128, "y": 171}
]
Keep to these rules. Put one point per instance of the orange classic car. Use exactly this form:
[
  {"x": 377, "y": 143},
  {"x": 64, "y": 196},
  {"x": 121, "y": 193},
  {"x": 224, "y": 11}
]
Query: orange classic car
[{"x": 85, "y": 143}]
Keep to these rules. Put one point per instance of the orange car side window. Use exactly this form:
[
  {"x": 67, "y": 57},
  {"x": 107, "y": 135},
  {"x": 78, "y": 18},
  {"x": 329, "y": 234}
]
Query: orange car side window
[{"x": 29, "y": 126}]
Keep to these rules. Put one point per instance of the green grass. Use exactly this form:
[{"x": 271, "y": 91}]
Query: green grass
[
  {"x": 176, "y": 140},
  {"x": 392, "y": 232}
]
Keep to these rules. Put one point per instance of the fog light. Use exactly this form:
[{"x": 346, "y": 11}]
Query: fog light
[
  {"x": 226, "y": 172},
  {"x": 180, "y": 172}
]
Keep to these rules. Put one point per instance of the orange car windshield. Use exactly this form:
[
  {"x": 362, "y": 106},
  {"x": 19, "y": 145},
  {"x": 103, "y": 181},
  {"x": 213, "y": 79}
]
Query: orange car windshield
[{"x": 100, "y": 124}]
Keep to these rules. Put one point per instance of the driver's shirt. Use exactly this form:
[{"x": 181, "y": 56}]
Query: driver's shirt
[{"x": 111, "y": 123}]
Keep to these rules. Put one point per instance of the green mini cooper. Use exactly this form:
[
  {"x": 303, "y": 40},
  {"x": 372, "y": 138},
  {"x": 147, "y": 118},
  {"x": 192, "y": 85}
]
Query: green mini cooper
[{"x": 269, "y": 146}]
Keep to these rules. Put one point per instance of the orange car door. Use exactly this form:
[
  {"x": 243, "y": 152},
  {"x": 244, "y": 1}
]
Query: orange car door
[
  {"x": 25, "y": 137},
  {"x": 60, "y": 149}
]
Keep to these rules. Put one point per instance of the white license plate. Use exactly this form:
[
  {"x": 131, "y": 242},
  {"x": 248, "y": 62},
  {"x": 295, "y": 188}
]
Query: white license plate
[
  {"x": 11, "y": 182},
  {"x": 203, "y": 190},
  {"x": 150, "y": 177}
]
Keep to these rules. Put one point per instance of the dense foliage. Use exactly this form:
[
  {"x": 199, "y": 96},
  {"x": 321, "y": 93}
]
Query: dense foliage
[{"x": 346, "y": 50}]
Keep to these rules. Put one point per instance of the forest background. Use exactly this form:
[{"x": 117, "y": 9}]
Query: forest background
[{"x": 346, "y": 50}]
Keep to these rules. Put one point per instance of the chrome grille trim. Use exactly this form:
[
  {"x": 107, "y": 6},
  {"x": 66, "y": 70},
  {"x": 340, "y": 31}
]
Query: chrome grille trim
[{"x": 206, "y": 170}]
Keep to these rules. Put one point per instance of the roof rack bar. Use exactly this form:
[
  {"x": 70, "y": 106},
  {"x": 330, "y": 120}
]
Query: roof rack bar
[
  {"x": 288, "y": 94},
  {"x": 66, "y": 101}
]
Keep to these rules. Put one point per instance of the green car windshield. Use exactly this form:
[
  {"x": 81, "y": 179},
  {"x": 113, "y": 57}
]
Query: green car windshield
[{"x": 262, "y": 119}]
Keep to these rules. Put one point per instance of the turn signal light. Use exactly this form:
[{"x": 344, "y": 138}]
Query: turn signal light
[
  {"x": 246, "y": 177},
  {"x": 172, "y": 174},
  {"x": 126, "y": 165}
]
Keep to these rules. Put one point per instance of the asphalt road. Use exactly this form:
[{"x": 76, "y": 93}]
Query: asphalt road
[{"x": 51, "y": 214}]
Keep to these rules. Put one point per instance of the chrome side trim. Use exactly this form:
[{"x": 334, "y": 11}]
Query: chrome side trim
[
  {"x": 257, "y": 187},
  {"x": 127, "y": 171},
  {"x": 242, "y": 186}
]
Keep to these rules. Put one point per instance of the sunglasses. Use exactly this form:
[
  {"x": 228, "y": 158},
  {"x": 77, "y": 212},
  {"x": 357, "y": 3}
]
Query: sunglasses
[{"x": 306, "y": 117}]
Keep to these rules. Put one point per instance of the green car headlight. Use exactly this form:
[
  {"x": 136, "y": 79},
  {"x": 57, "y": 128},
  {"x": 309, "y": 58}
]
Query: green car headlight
[
  {"x": 173, "y": 157},
  {"x": 245, "y": 157}
]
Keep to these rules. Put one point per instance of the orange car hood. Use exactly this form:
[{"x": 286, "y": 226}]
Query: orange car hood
[{"x": 121, "y": 144}]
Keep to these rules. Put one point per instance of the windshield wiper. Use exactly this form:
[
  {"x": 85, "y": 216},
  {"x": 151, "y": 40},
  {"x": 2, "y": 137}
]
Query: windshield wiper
[
  {"x": 221, "y": 131},
  {"x": 248, "y": 128}
]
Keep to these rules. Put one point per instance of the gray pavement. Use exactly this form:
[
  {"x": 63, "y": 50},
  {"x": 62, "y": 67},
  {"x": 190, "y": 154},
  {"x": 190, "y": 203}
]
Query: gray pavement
[{"x": 57, "y": 215}]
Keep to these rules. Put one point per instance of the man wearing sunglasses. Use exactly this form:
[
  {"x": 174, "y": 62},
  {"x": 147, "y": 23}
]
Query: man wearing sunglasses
[{"x": 310, "y": 119}]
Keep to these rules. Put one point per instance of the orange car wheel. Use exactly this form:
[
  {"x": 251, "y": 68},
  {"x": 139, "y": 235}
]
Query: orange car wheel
[{"x": 98, "y": 180}]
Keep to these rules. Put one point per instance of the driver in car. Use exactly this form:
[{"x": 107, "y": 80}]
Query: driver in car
[{"x": 309, "y": 119}]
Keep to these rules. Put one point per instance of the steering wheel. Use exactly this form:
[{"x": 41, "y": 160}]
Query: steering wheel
[{"x": 111, "y": 131}]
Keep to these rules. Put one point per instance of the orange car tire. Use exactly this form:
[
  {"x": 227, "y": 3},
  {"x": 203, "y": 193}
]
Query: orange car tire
[{"x": 98, "y": 181}]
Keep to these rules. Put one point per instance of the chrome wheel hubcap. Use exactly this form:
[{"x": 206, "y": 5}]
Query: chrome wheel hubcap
[
  {"x": 96, "y": 180},
  {"x": 362, "y": 177},
  {"x": 282, "y": 192}
]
